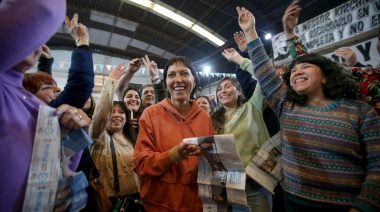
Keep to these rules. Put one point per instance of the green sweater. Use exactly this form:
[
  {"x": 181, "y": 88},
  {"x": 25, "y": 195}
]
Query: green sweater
[{"x": 247, "y": 124}]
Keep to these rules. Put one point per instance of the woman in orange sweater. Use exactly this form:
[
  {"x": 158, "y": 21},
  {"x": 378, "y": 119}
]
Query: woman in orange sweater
[{"x": 167, "y": 166}]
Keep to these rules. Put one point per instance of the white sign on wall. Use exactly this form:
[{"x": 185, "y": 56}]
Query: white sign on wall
[{"x": 345, "y": 21}]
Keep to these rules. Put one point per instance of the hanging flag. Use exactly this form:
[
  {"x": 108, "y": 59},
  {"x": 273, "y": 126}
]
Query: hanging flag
[{"x": 101, "y": 66}]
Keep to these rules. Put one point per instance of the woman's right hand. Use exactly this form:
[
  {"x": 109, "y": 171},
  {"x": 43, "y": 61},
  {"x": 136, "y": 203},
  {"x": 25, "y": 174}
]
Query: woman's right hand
[
  {"x": 71, "y": 118},
  {"x": 77, "y": 30},
  {"x": 186, "y": 149},
  {"x": 290, "y": 19},
  {"x": 119, "y": 71}
]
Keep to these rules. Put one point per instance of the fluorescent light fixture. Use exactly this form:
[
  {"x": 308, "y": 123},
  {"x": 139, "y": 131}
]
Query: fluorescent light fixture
[
  {"x": 207, "y": 69},
  {"x": 172, "y": 15},
  {"x": 144, "y": 3},
  {"x": 163, "y": 11},
  {"x": 268, "y": 36},
  {"x": 207, "y": 35}
]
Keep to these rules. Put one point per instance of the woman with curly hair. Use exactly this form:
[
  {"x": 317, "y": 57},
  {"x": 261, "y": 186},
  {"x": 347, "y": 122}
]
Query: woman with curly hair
[{"x": 330, "y": 148}]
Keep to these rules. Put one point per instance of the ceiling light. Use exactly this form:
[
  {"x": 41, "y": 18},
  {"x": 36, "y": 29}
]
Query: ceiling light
[
  {"x": 207, "y": 35},
  {"x": 207, "y": 69},
  {"x": 268, "y": 36},
  {"x": 167, "y": 12},
  {"x": 172, "y": 15},
  {"x": 145, "y": 3}
]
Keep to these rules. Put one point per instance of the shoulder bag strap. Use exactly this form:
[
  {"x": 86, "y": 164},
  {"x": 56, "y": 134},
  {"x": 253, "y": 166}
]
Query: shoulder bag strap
[{"x": 114, "y": 167}]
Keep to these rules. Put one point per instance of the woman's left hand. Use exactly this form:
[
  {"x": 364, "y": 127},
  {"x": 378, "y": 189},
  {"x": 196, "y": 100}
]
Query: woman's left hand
[{"x": 72, "y": 118}]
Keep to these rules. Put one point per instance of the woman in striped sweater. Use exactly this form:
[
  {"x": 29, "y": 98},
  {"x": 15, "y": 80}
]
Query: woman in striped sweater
[{"x": 331, "y": 144}]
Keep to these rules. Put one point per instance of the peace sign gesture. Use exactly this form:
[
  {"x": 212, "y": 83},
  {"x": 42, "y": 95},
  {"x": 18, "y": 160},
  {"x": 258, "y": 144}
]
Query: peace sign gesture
[{"x": 77, "y": 30}]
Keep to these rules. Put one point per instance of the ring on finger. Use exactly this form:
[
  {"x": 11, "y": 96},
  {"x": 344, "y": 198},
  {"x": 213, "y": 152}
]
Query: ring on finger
[
  {"x": 345, "y": 53},
  {"x": 80, "y": 117},
  {"x": 75, "y": 111}
]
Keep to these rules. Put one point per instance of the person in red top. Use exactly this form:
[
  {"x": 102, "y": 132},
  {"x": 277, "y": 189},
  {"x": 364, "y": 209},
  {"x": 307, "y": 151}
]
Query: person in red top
[{"x": 168, "y": 167}]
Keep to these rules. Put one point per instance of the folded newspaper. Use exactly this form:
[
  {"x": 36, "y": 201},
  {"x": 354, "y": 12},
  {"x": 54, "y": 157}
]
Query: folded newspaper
[
  {"x": 221, "y": 174},
  {"x": 265, "y": 166}
]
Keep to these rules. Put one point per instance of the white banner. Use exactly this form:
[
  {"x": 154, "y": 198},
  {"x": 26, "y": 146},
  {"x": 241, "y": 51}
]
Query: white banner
[{"x": 345, "y": 21}]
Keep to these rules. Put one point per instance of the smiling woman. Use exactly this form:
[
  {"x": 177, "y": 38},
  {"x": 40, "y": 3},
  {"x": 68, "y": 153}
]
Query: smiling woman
[
  {"x": 245, "y": 121},
  {"x": 161, "y": 159},
  {"x": 111, "y": 126}
]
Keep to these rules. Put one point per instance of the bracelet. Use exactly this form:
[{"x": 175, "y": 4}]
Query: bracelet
[
  {"x": 79, "y": 39},
  {"x": 155, "y": 80}
]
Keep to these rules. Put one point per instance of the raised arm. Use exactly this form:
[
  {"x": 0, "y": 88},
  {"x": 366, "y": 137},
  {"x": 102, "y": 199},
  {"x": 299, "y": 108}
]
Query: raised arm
[
  {"x": 248, "y": 84},
  {"x": 80, "y": 82},
  {"x": 289, "y": 22},
  {"x": 290, "y": 19},
  {"x": 25, "y": 26},
  {"x": 45, "y": 62},
  {"x": 103, "y": 109},
  {"x": 158, "y": 84},
  {"x": 271, "y": 84},
  {"x": 132, "y": 68}
]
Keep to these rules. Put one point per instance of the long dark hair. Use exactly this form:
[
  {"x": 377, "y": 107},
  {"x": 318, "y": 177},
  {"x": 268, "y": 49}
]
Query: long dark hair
[
  {"x": 185, "y": 61},
  {"x": 339, "y": 82},
  {"x": 138, "y": 113},
  {"x": 128, "y": 130},
  {"x": 217, "y": 117}
]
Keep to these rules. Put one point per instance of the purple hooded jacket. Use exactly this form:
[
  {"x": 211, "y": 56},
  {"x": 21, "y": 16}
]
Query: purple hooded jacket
[{"x": 25, "y": 26}]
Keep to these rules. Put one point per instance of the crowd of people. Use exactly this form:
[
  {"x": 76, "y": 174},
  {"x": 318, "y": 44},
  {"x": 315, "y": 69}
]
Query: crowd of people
[{"x": 327, "y": 113}]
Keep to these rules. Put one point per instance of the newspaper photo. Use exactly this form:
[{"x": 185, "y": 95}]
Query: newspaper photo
[
  {"x": 221, "y": 174},
  {"x": 265, "y": 166}
]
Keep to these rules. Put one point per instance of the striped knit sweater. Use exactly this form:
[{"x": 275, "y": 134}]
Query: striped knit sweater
[{"x": 331, "y": 155}]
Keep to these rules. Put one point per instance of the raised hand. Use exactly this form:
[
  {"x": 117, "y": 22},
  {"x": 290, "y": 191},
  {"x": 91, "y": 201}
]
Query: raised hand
[
  {"x": 241, "y": 41},
  {"x": 45, "y": 52},
  {"x": 119, "y": 71},
  {"x": 134, "y": 65},
  {"x": 77, "y": 30},
  {"x": 232, "y": 55},
  {"x": 348, "y": 54},
  {"x": 246, "y": 19},
  {"x": 151, "y": 66},
  {"x": 290, "y": 19},
  {"x": 247, "y": 23}
]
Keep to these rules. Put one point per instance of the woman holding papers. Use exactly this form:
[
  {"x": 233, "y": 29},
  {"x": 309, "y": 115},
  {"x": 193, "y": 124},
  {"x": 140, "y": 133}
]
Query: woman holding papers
[
  {"x": 246, "y": 122},
  {"x": 166, "y": 165},
  {"x": 330, "y": 156}
]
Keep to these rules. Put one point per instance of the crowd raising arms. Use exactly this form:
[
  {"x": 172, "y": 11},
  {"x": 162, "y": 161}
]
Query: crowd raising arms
[
  {"x": 332, "y": 127},
  {"x": 161, "y": 159}
]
